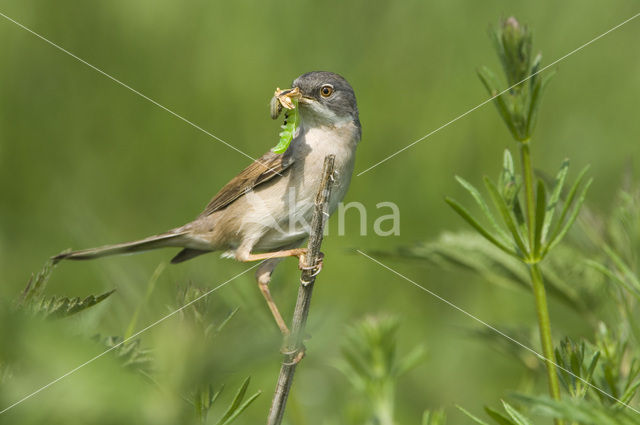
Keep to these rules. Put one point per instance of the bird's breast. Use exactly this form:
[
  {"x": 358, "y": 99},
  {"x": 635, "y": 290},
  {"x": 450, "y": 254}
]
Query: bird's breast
[{"x": 290, "y": 215}]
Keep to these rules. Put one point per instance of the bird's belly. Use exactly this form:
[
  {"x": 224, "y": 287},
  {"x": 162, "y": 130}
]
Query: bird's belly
[
  {"x": 278, "y": 214},
  {"x": 294, "y": 228}
]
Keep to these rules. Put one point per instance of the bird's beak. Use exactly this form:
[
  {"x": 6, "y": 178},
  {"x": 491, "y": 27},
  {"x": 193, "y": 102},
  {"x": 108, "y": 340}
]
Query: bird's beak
[{"x": 306, "y": 100}]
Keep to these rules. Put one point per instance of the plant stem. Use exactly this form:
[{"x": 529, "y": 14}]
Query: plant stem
[
  {"x": 545, "y": 329},
  {"x": 539, "y": 293},
  {"x": 293, "y": 345},
  {"x": 527, "y": 171}
]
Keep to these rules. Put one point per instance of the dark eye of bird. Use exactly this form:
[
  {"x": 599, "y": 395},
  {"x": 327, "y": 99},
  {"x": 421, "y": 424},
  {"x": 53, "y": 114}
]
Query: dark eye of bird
[{"x": 326, "y": 90}]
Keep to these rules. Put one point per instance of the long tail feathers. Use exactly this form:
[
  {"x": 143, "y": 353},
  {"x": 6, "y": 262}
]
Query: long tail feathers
[
  {"x": 187, "y": 254},
  {"x": 153, "y": 242}
]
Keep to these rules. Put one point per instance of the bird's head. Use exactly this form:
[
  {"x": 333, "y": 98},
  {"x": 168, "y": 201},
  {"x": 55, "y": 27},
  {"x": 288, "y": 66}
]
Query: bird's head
[{"x": 326, "y": 98}]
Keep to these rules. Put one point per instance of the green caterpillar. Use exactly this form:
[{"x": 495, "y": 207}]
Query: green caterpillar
[{"x": 291, "y": 121}]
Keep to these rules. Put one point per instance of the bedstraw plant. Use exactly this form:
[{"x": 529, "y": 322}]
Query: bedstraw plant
[{"x": 532, "y": 220}]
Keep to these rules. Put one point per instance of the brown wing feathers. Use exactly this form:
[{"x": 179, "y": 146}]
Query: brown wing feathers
[{"x": 264, "y": 169}]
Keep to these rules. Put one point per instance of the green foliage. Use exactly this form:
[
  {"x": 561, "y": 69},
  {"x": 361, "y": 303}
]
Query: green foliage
[
  {"x": 371, "y": 364},
  {"x": 618, "y": 373},
  {"x": 512, "y": 237},
  {"x": 512, "y": 416},
  {"x": 435, "y": 417},
  {"x": 199, "y": 313},
  {"x": 518, "y": 105},
  {"x": 620, "y": 238},
  {"x": 60, "y": 306},
  {"x": 577, "y": 363},
  {"x": 205, "y": 398},
  {"x": 130, "y": 354},
  {"x": 471, "y": 252},
  {"x": 34, "y": 300},
  {"x": 580, "y": 411},
  {"x": 98, "y": 178},
  {"x": 609, "y": 362}
]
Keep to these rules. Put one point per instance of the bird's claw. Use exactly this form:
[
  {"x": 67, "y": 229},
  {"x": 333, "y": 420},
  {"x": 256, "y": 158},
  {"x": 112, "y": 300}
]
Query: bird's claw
[
  {"x": 296, "y": 355},
  {"x": 317, "y": 267}
]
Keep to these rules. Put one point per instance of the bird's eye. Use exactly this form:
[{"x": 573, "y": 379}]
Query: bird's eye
[{"x": 326, "y": 90}]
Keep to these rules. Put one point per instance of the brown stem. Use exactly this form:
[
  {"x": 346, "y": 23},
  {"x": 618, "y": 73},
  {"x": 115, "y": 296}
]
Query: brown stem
[{"x": 293, "y": 344}]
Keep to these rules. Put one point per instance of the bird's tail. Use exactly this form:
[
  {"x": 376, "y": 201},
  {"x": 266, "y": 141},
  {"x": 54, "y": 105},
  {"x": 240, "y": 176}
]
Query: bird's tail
[{"x": 171, "y": 238}]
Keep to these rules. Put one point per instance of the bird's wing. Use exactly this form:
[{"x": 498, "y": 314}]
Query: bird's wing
[{"x": 267, "y": 167}]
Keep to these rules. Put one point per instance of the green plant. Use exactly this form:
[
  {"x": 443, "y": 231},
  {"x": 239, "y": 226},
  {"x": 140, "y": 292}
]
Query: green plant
[
  {"x": 576, "y": 361},
  {"x": 33, "y": 299},
  {"x": 371, "y": 364},
  {"x": 512, "y": 417},
  {"x": 130, "y": 354},
  {"x": 435, "y": 417},
  {"x": 205, "y": 398},
  {"x": 530, "y": 227}
]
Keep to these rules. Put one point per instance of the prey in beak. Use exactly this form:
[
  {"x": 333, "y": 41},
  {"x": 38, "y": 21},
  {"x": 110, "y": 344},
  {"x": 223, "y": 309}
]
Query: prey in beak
[{"x": 284, "y": 99}]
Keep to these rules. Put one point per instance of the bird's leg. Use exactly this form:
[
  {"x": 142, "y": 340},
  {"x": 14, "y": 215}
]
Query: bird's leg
[
  {"x": 265, "y": 270},
  {"x": 263, "y": 276},
  {"x": 295, "y": 252}
]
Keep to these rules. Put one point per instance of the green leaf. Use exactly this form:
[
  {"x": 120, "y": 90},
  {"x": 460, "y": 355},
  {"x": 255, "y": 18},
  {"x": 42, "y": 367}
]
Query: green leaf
[
  {"x": 506, "y": 214},
  {"x": 555, "y": 197},
  {"x": 566, "y": 208},
  {"x": 130, "y": 354},
  {"x": 236, "y": 402},
  {"x": 483, "y": 207},
  {"x": 36, "y": 284},
  {"x": 541, "y": 206},
  {"x": 498, "y": 417},
  {"x": 151, "y": 284},
  {"x": 489, "y": 79},
  {"x": 226, "y": 320},
  {"x": 630, "y": 392},
  {"x": 241, "y": 408},
  {"x": 57, "y": 306},
  {"x": 204, "y": 400},
  {"x": 612, "y": 275},
  {"x": 630, "y": 276},
  {"x": 462, "y": 212},
  {"x": 572, "y": 217},
  {"x": 518, "y": 417},
  {"x": 436, "y": 417},
  {"x": 592, "y": 366},
  {"x": 535, "y": 66},
  {"x": 507, "y": 114},
  {"x": 534, "y": 101},
  {"x": 506, "y": 178},
  {"x": 475, "y": 418},
  {"x": 410, "y": 361},
  {"x": 491, "y": 83},
  {"x": 582, "y": 412}
]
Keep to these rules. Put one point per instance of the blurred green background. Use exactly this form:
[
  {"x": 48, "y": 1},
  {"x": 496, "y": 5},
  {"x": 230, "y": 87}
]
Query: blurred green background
[{"x": 85, "y": 162}]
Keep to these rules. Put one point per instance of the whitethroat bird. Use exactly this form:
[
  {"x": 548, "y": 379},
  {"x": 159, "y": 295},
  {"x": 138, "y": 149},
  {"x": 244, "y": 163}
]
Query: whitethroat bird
[{"x": 263, "y": 212}]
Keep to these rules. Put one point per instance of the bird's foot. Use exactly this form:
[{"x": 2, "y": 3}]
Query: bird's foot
[
  {"x": 316, "y": 268},
  {"x": 294, "y": 355}
]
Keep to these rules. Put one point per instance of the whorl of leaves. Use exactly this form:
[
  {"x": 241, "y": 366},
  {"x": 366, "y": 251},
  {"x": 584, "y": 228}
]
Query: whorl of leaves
[{"x": 33, "y": 299}]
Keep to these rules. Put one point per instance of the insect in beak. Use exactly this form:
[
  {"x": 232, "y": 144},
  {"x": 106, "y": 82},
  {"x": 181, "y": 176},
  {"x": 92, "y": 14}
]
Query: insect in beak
[{"x": 284, "y": 98}]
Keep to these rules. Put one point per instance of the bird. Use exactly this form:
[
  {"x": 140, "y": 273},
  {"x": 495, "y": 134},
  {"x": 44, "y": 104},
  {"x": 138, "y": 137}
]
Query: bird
[{"x": 262, "y": 214}]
